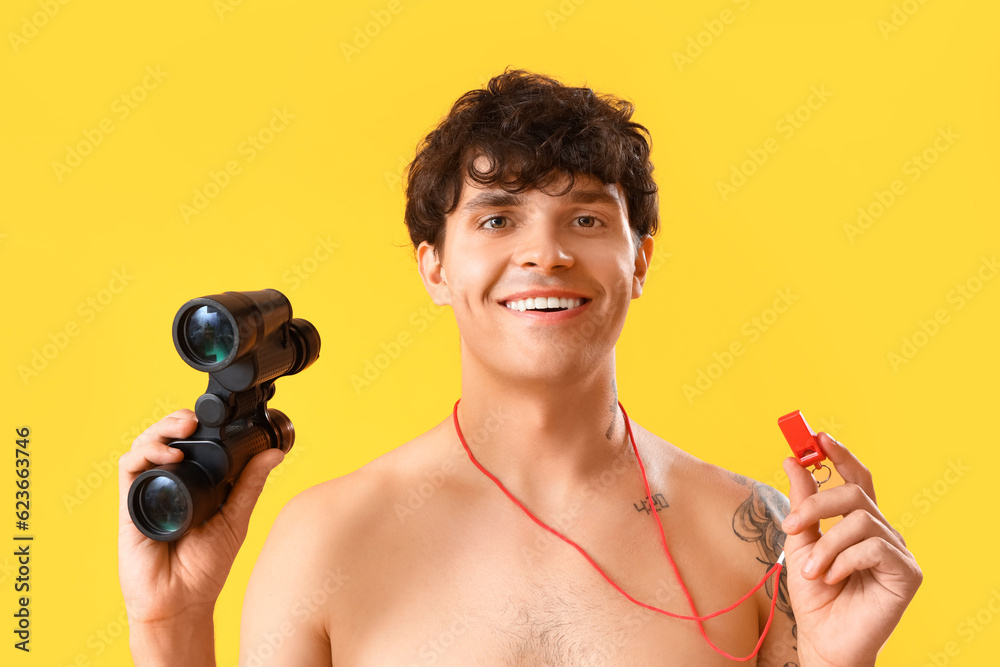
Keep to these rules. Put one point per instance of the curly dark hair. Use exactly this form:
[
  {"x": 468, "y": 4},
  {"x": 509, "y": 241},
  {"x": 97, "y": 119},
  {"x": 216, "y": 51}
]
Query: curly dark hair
[{"x": 533, "y": 130}]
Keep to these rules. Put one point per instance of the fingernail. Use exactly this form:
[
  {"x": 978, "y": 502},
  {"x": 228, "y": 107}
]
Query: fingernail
[
  {"x": 791, "y": 521},
  {"x": 809, "y": 566}
]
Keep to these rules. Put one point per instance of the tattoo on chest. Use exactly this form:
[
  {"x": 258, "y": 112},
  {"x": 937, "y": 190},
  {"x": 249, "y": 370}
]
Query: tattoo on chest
[{"x": 659, "y": 502}]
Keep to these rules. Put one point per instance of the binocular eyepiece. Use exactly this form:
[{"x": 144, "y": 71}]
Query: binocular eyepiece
[{"x": 244, "y": 341}]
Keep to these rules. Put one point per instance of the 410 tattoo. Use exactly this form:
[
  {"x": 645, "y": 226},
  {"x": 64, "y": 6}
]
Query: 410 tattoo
[{"x": 658, "y": 500}]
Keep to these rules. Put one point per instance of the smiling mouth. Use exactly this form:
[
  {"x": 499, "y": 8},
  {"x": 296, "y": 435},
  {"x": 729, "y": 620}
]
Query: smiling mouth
[{"x": 545, "y": 304}]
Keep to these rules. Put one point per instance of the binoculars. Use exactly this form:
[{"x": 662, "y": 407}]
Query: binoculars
[{"x": 244, "y": 341}]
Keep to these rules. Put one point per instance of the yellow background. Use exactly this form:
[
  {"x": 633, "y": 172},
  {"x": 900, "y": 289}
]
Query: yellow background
[{"x": 331, "y": 175}]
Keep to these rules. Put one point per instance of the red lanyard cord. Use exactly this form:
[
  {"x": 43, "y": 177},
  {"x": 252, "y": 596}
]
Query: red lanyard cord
[{"x": 775, "y": 569}]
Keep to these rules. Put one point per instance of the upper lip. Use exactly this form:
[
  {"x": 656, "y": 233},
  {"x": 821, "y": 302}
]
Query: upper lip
[{"x": 544, "y": 292}]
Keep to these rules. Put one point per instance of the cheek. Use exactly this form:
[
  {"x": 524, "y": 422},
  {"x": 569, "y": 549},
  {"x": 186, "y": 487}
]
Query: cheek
[
  {"x": 471, "y": 281},
  {"x": 620, "y": 282},
  {"x": 619, "y": 271}
]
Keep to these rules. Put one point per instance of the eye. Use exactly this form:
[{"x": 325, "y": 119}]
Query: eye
[
  {"x": 591, "y": 221},
  {"x": 488, "y": 223}
]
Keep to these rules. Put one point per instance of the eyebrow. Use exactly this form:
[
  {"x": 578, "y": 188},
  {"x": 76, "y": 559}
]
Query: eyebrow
[{"x": 502, "y": 198}]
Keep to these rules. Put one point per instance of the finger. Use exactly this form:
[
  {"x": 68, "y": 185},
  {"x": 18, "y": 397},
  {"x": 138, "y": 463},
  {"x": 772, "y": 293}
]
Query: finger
[
  {"x": 233, "y": 520},
  {"x": 856, "y": 527},
  {"x": 885, "y": 561},
  {"x": 835, "y": 502},
  {"x": 142, "y": 457},
  {"x": 178, "y": 424},
  {"x": 151, "y": 447},
  {"x": 847, "y": 464},
  {"x": 802, "y": 487}
]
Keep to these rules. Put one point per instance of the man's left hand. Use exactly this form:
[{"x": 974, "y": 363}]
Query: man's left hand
[{"x": 850, "y": 585}]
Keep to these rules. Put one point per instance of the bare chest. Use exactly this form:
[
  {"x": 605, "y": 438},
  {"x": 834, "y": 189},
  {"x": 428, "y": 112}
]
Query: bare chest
[{"x": 531, "y": 599}]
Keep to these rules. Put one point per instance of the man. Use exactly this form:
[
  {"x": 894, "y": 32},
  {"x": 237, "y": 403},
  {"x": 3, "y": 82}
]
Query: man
[{"x": 532, "y": 210}]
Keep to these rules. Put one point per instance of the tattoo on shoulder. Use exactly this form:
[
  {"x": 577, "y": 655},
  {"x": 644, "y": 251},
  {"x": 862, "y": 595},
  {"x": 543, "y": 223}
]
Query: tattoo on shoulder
[
  {"x": 739, "y": 479},
  {"x": 659, "y": 502},
  {"x": 758, "y": 519}
]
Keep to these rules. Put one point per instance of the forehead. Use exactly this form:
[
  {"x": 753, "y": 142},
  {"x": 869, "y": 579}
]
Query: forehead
[{"x": 586, "y": 190}]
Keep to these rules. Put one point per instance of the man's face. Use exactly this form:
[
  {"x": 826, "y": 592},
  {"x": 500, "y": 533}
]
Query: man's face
[{"x": 539, "y": 284}]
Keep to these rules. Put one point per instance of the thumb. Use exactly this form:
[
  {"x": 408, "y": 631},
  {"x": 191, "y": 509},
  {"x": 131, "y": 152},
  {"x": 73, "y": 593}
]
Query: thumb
[
  {"x": 803, "y": 485},
  {"x": 242, "y": 499}
]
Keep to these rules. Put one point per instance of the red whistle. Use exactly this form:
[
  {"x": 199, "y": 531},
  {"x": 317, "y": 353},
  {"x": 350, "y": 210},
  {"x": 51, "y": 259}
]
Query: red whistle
[{"x": 802, "y": 439}]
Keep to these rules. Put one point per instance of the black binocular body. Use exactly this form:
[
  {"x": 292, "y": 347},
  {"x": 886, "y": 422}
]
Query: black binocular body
[{"x": 244, "y": 341}]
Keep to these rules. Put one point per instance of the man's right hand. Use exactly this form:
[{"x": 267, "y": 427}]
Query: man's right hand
[{"x": 170, "y": 588}]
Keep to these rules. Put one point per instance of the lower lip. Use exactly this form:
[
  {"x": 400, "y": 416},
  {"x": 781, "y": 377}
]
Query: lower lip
[{"x": 548, "y": 318}]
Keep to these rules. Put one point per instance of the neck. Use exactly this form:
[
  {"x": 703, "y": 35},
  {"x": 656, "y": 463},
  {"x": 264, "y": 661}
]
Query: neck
[{"x": 543, "y": 438}]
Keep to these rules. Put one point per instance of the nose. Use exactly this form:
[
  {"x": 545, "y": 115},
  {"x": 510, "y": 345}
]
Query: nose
[{"x": 542, "y": 247}]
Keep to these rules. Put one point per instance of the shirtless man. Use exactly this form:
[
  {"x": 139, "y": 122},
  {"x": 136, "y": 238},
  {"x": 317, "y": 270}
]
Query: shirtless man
[{"x": 419, "y": 558}]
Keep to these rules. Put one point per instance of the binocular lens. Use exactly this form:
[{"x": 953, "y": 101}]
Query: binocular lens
[
  {"x": 209, "y": 335},
  {"x": 164, "y": 505}
]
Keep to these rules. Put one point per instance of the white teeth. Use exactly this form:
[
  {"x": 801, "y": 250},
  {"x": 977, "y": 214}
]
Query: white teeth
[{"x": 537, "y": 303}]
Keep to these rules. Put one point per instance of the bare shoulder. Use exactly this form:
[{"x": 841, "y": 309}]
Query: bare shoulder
[
  {"x": 743, "y": 521},
  {"x": 322, "y": 553},
  {"x": 753, "y": 510},
  {"x": 335, "y": 515}
]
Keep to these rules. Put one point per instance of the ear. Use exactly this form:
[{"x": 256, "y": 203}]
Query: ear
[
  {"x": 642, "y": 258},
  {"x": 432, "y": 273}
]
